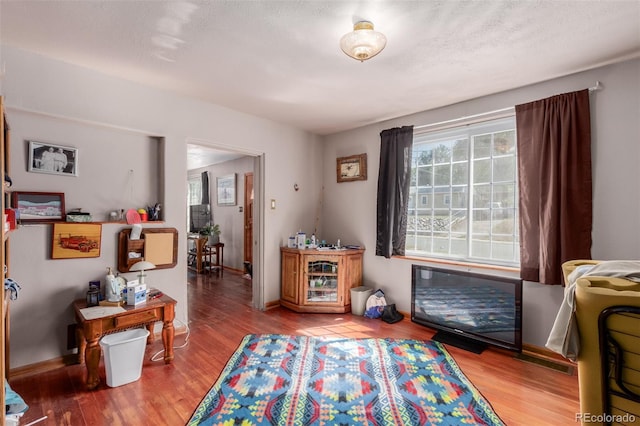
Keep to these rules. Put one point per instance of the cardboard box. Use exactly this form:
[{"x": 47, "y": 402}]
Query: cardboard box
[{"x": 136, "y": 293}]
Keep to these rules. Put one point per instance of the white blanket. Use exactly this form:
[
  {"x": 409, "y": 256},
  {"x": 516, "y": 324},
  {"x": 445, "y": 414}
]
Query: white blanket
[{"x": 564, "y": 338}]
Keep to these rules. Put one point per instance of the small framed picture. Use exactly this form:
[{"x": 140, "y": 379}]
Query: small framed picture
[
  {"x": 76, "y": 240},
  {"x": 352, "y": 168},
  {"x": 39, "y": 207},
  {"x": 226, "y": 186},
  {"x": 53, "y": 159}
]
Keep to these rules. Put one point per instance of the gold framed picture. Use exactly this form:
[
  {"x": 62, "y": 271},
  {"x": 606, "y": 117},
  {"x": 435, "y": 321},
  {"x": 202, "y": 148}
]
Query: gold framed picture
[
  {"x": 76, "y": 240},
  {"x": 352, "y": 168}
]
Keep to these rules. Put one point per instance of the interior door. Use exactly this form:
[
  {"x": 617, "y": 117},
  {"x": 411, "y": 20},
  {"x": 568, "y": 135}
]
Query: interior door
[{"x": 248, "y": 217}]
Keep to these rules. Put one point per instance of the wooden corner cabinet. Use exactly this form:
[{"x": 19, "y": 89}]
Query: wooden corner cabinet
[{"x": 319, "y": 281}]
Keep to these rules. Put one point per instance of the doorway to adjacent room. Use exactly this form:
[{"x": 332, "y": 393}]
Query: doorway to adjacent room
[{"x": 241, "y": 256}]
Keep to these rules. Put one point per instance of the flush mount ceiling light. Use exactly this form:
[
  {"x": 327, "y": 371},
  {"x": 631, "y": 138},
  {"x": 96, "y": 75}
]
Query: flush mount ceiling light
[{"x": 363, "y": 42}]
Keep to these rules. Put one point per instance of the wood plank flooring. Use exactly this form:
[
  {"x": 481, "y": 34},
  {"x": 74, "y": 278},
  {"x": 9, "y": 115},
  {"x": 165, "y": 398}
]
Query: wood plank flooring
[{"x": 220, "y": 315}]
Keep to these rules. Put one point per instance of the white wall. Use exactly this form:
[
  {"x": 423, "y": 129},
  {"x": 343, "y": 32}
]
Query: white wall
[
  {"x": 66, "y": 95},
  {"x": 350, "y": 208},
  {"x": 117, "y": 170},
  {"x": 230, "y": 218}
]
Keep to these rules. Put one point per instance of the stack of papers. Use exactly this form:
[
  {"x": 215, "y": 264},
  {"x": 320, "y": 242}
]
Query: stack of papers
[{"x": 100, "y": 311}]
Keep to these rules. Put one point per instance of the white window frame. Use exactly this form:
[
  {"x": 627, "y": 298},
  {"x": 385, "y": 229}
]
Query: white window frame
[
  {"x": 194, "y": 194},
  {"x": 484, "y": 124},
  {"x": 194, "y": 191}
]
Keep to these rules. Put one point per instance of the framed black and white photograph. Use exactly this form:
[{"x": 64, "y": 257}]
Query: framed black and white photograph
[
  {"x": 226, "y": 186},
  {"x": 53, "y": 159},
  {"x": 39, "y": 207}
]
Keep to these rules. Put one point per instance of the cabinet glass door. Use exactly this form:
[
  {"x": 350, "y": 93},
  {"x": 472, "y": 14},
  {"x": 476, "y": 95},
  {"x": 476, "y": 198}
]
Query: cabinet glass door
[{"x": 322, "y": 280}]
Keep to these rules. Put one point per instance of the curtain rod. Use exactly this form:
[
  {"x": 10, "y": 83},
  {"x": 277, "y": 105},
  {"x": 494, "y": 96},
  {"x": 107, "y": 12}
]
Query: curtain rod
[
  {"x": 469, "y": 119},
  {"x": 499, "y": 113}
]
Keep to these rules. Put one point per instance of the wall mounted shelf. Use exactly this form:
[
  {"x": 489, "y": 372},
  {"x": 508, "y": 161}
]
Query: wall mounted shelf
[{"x": 156, "y": 245}]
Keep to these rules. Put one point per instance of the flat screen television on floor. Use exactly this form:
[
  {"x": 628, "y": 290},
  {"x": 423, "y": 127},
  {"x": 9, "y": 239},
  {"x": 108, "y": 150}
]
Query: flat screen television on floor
[
  {"x": 468, "y": 310},
  {"x": 199, "y": 217}
]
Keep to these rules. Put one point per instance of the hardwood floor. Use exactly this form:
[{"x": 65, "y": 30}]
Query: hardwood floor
[{"x": 220, "y": 315}]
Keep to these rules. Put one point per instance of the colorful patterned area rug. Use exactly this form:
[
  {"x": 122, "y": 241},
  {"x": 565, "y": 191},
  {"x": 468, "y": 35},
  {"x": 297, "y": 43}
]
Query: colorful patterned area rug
[{"x": 301, "y": 380}]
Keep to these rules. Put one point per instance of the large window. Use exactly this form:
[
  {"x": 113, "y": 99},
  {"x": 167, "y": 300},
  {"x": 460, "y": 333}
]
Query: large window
[
  {"x": 194, "y": 196},
  {"x": 463, "y": 202},
  {"x": 195, "y": 190}
]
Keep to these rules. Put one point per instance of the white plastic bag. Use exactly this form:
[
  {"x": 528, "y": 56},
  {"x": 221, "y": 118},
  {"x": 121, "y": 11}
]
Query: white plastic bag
[{"x": 375, "y": 305}]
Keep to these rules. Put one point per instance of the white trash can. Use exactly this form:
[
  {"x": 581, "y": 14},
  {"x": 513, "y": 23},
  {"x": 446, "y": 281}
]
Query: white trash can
[
  {"x": 123, "y": 355},
  {"x": 359, "y": 296}
]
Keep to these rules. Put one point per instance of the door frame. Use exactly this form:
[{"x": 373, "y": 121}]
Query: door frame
[
  {"x": 258, "y": 214},
  {"x": 248, "y": 229}
]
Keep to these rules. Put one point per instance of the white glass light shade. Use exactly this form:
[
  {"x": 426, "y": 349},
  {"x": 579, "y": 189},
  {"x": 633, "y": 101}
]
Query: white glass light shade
[
  {"x": 363, "y": 42},
  {"x": 141, "y": 266}
]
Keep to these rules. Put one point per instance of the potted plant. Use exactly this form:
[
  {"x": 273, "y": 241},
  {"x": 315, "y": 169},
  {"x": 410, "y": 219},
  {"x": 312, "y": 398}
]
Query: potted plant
[{"x": 213, "y": 232}]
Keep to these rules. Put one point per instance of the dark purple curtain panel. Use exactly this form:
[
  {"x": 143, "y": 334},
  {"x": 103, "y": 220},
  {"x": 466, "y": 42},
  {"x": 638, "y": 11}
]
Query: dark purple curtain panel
[
  {"x": 555, "y": 184},
  {"x": 205, "y": 187},
  {"x": 394, "y": 178}
]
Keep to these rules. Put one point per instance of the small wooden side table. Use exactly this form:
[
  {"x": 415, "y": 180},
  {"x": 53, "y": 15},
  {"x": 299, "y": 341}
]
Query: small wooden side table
[
  {"x": 90, "y": 330},
  {"x": 216, "y": 249}
]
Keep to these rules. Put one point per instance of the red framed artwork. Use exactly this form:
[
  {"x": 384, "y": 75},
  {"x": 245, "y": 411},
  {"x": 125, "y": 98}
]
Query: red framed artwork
[{"x": 39, "y": 207}]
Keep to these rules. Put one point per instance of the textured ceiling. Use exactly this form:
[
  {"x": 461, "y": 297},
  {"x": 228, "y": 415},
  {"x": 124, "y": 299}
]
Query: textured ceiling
[{"x": 281, "y": 60}]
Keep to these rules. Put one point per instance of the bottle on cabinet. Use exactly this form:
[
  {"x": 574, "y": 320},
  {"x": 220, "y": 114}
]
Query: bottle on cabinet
[{"x": 301, "y": 239}]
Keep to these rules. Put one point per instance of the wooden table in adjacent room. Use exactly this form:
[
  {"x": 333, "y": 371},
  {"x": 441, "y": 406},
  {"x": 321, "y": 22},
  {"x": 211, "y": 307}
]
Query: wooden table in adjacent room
[
  {"x": 197, "y": 252},
  {"x": 93, "y": 324},
  {"x": 201, "y": 255}
]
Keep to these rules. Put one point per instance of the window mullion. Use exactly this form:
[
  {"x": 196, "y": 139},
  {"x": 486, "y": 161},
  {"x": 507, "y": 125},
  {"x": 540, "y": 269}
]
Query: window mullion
[
  {"x": 471, "y": 185},
  {"x": 492, "y": 197}
]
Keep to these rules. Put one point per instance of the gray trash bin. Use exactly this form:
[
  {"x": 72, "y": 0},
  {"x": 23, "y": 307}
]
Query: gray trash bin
[
  {"x": 359, "y": 296},
  {"x": 123, "y": 355}
]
